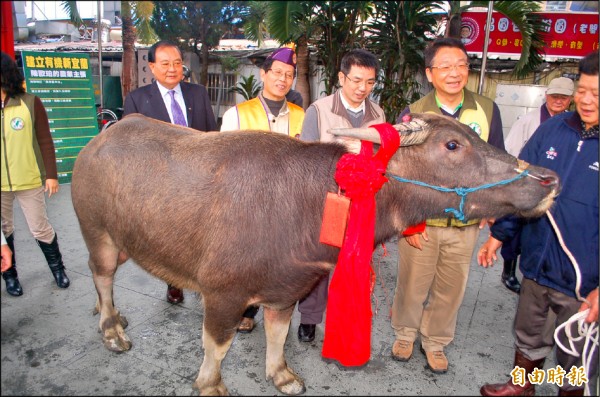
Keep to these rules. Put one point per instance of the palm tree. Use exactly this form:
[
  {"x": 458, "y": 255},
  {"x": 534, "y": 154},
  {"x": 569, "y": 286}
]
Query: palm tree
[
  {"x": 129, "y": 76},
  {"x": 255, "y": 26}
]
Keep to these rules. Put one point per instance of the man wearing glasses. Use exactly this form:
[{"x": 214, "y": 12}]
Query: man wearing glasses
[
  {"x": 349, "y": 107},
  {"x": 269, "y": 111},
  {"x": 432, "y": 274},
  {"x": 171, "y": 100}
]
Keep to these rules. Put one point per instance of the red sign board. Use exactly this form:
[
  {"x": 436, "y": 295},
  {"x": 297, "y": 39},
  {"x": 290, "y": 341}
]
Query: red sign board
[{"x": 572, "y": 35}]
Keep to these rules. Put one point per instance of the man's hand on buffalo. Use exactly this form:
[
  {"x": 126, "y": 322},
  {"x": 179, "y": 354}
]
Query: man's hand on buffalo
[
  {"x": 486, "y": 221},
  {"x": 414, "y": 240}
]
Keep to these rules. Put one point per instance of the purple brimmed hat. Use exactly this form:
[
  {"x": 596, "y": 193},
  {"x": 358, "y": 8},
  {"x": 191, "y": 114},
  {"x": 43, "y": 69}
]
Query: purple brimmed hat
[{"x": 284, "y": 54}]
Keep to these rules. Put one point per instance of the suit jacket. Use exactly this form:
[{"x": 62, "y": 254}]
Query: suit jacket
[{"x": 148, "y": 101}]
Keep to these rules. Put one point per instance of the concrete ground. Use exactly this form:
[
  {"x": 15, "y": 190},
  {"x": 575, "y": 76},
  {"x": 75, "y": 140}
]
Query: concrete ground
[{"x": 51, "y": 345}]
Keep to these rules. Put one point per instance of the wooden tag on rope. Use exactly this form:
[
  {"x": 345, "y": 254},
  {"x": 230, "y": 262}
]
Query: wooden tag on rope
[{"x": 335, "y": 219}]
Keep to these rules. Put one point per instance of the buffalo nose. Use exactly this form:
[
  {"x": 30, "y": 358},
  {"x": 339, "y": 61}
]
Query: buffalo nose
[{"x": 551, "y": 181}]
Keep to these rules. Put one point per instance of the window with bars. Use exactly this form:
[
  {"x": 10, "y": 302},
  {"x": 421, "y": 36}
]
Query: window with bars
[{"x": 215, "y": 84}]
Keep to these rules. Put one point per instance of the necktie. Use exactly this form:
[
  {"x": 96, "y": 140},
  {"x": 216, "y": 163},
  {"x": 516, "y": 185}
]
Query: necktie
[{"x": 178, "y": 117}]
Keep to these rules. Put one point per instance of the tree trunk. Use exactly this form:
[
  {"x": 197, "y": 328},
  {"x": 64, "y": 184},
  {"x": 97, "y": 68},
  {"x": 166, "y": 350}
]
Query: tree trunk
[
  {"x": 453, "y": 26},
  {"x": 303, "y": 69},
  {"x": 129, "y": 77},
  {"x": 204, "y": 65}
]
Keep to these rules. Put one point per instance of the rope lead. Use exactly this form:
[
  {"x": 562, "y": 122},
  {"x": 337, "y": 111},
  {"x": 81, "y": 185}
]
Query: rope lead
[{"x": 461, "y": 191}]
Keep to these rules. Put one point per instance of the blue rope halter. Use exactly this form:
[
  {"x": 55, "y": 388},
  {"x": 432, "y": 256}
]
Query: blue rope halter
[{"x": 461, "y": 191}]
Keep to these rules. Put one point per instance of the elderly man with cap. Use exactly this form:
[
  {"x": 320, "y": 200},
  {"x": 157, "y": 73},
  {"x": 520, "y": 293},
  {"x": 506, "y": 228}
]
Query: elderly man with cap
[
  {"x": 269, "y": 111},
  {"x": 558, "y": 98}
]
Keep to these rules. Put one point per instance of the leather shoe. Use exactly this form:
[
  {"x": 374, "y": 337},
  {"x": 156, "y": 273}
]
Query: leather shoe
[
  {"x": 246, "y": 326},
  {"x": 174, "y": 295},
  {"x": 306, "y": 332},
  {"x": 436, "y": 361},
  {"x": 402, "y": 349}
]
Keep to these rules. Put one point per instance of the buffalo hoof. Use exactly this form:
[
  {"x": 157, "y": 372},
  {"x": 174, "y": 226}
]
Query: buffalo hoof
[
  {"x": 117, "y": 345},
  {"x": 114, "y": 337},
  {"x": 289, "y": 383},
  {"x": 293, "y": 388},
  {"x": 216, "y": 390},
  {"x": 122, "y": 320}
]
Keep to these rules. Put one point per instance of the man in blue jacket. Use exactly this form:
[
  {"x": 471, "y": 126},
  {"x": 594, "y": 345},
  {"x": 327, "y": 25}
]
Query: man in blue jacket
[{"x": 552, "y": 291}]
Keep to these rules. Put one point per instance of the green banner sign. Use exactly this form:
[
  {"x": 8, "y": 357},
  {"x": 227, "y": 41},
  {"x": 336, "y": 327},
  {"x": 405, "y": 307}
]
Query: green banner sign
[{"x": 63, "y": 81}]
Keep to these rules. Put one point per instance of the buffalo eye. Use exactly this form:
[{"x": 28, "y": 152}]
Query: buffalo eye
[{"x": 452, "y": 145}]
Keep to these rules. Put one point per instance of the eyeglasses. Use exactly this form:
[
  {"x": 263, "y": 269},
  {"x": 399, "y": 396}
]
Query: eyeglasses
[
  {"x": 357, "y": 82},
  {"x": 445, "y": 69},
  {"x": 278, "y": 73},
  {"x": 167, "y": 65}
]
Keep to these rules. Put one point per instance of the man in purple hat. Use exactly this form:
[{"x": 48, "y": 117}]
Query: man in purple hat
[{"x": 269, "y": 111}]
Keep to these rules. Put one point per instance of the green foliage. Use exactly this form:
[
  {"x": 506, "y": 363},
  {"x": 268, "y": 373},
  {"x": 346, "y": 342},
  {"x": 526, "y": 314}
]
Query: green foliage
[
  {"x": 286, "y": 19},
  {"x": 194, "y": 23},
  {"x": 254, "y": 18},
  {"x": 70, "y": 7},
  {"x": 142, "y": 17},
  {"x": 249, "y": 87},
  {"x": 403, "y": 30},
  {"x": 339, "y": 28},
  {"x": 229, "y": 63}
]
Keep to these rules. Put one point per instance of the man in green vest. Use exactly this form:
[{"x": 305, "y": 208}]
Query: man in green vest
[
  {"x": 269, "y": 111},
  {"x": 434, "y": 262}
]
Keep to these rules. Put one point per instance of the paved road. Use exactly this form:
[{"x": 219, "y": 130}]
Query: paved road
[{"x": 51, "y": 344}]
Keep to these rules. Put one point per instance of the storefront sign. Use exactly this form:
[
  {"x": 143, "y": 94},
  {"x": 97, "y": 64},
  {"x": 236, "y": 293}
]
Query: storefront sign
[
  {"x": 572, "y": 35},
  {"x": 63, "y": 81}
]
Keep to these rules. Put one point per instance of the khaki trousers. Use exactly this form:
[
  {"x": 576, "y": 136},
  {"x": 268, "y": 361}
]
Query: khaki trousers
[
  {"x": 33, "y": 205},
  {"x": 430, "y": 285}
]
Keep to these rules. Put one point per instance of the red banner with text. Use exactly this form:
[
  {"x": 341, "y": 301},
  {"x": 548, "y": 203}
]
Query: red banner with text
[{"x": 572, "y": 35}]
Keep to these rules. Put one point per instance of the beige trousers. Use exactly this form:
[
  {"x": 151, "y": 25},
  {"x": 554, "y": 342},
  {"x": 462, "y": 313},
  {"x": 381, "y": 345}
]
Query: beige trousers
[
  {"x": 33, "y": 205},
  {"x": 430, "y": 285}
]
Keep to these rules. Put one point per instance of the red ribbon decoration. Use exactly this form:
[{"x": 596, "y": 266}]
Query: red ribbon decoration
[{"x": 348, "y": 320}]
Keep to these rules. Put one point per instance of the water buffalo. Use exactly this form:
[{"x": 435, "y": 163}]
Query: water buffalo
[{"x": 236, "y": 216}]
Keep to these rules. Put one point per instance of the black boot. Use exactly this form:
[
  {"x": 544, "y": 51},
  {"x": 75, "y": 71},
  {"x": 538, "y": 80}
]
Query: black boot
[
  {"x": 13, "y": 286},
  {"x": 509, "y": 278},
  {"x": 55, "y": 263}
]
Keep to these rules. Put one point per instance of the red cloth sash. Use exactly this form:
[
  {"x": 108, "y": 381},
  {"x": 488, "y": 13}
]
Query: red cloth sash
[{"x": 348, "y": 320}]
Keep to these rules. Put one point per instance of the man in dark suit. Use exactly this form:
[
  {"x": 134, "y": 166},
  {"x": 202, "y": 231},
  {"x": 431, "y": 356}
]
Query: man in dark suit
[{"x": 165, "y": 100}]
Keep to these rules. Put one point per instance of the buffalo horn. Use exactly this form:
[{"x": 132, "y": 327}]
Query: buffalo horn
[{"x": 411, "y": 133}]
